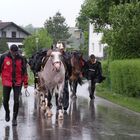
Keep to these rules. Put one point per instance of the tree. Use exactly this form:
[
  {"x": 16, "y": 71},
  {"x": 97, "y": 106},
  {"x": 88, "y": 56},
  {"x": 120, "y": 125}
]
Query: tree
[
  {"x": 30, "y": 28},
  {"x": 123, "y": 37},
  {"x": 3, "y": 45},
  {"x": 82, "y": 22},
  {"x": 57, "y": 27},
  {"x": 123, "y": 19},
  {"x": 98, "y": 10},
  {"x": 37, "y": 41}
]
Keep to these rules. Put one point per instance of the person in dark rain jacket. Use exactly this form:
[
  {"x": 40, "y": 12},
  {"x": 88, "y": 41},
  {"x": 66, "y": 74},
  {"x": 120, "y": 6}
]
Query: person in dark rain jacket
[
  {"x": 13, "y": 73},
  {"x": 93, "y": 72}
]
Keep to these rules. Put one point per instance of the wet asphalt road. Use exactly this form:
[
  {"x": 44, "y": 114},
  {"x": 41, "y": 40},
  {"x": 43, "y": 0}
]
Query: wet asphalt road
[{"x": 85, "y": 120}]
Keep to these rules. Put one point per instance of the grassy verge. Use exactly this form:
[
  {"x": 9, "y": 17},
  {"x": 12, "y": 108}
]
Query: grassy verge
[
  {"x": 31, "y": 77},
  {"x": 128, "y": 102}
]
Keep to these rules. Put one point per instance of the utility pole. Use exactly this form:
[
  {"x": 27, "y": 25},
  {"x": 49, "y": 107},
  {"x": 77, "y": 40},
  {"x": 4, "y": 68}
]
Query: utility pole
[{"x": 37, "y": 39}]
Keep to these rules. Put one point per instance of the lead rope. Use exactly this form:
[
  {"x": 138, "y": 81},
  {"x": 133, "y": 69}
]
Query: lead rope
[{"x": 27, "y": 94}]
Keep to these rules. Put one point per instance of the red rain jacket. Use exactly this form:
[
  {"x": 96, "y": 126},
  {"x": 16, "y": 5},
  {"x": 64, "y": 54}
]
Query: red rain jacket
[{"x": 13, "y": 71}]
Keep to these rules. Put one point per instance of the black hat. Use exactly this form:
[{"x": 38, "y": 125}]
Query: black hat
[{"x": 14, "y": 48}]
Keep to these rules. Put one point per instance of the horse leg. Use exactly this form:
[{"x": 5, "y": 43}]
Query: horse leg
[
  {"x": 59, "y": 105},
  {"x": 74, "y": 88},
  {"x": 60, "y": 101},
  {"x": 75, "y": 84},
  {"x": 35, "y": 80},
  {"x": 70, "y": 83},
  {"x": 56, "y": 99},
  {"x": 59, "y": 108},
  {"x": 49, "y": 104},
  {"x": 37, "y": 101},
  {"x": 42, "y": 102},
  {"x": 65, "y": 95}
]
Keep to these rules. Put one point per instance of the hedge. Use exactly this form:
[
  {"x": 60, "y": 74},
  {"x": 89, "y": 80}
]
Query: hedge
[
  {"x": 125, "y": 77},
  {"x": 105, "y": 71}
]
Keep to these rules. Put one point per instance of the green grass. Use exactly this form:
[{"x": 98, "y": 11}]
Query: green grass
[
  {"x": 128, "y": 102},
  {"x": 31, "y": 77}
]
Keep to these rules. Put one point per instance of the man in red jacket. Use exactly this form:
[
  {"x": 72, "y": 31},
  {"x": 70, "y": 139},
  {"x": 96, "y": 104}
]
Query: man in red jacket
[{"x": 13, "y": 73}]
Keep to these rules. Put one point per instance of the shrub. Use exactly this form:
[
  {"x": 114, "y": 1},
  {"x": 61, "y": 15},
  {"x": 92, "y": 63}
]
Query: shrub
[
  {"x": 105, "y": 70},
  {"x": 125, "y": 77}
]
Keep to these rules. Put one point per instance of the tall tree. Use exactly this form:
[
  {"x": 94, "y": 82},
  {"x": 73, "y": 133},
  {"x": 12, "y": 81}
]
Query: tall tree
[
  {"x": 82, "y": 22},
  {"x": 37, "y": 41},
  {"x": 57, "y": 27},
  {"x": 98, "y": 10},
  {"x": 123, "y": 18},
  {"x": 123, "y": 37},
  {"x": 30, "y": 28}
]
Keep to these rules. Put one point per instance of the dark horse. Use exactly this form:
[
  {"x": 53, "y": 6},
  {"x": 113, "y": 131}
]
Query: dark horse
[
  {"x": 36, "y": 62},
  {"x": 77, "y": 63}
]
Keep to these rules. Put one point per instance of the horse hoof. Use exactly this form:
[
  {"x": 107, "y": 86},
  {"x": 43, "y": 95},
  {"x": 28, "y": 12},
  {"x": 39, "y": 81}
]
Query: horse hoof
[
  {"x": 60, "y": 114},
  {"x": 60, "y": 117},
  {"x": 71, "y": 95},
  {"x": 35, "y": 91},
  {"x": 49, "y": 115},
  {"x": 60, "y": 123},
  {"x": 74, "y": 97}
]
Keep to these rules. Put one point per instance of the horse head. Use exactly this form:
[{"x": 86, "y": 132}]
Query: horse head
[{"x": 55, "y": 58}]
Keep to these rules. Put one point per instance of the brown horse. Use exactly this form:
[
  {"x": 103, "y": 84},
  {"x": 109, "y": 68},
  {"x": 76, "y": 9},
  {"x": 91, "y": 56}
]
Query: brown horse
[{"x": 77, "y": 63}]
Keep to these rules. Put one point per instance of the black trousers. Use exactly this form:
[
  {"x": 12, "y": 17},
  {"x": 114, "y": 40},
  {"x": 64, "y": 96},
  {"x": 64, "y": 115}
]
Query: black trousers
[
  {"x": 66, "y": 96},
  {"x": 6, "y": 98},
  {"x": 92, "y": 87}
]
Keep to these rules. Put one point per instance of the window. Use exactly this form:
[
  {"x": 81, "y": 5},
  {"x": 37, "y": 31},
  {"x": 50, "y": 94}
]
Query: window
[
  {"x": 13, "y": 34},
  {"x": 3, "y": 34}
]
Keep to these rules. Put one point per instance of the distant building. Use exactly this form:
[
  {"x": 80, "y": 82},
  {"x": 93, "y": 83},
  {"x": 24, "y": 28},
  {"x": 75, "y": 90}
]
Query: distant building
[
  {"x": 95, "y": 45},
  {"x": 13, "y": 33},
  {"x": 76, "y": 38}
]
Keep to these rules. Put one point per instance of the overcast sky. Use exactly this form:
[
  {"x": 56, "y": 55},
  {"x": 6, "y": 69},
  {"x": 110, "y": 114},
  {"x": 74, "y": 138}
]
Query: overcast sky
[{"x": 35, "y": 12}]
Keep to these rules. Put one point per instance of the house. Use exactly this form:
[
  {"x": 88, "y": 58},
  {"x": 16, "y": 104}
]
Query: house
[
  {"x": 95, "y": 45},
  {"x": 13, "y": 33},
  {"x": 76, "y": 38}
]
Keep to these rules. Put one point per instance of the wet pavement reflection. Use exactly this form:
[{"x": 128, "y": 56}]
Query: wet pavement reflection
[{"x": 85, "y": 120}]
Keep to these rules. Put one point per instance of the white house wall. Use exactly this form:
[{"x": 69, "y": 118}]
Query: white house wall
[
  {"x": 95, "y": 46},
  {"x": 10, "y": 29}
]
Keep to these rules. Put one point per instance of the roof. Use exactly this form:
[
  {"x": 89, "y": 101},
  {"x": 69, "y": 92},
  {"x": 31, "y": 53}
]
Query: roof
[{"x": 3, "y": 25}]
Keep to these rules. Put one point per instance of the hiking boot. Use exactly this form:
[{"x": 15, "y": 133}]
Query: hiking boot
[
  {"x": 7, "y": 116},
  {"x": 14, "y": 122},
  {"x": 92, "y": 97}
]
